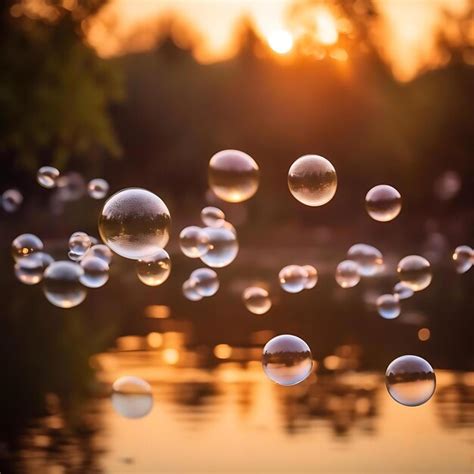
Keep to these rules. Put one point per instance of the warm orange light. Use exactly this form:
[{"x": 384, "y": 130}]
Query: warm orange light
[
  {"x": 171, "y": 356},
  {"x": 157, "y": 311},
  {"x": 326, "y": 29},
  {"x": 222, "y": 351},
  {"x": 280, "y": 41},
  {"x": 339, "y": 54},
  {"x": 424, "y": 334},
  {"x": 154, "y": 340},
  {"x": 332, "y": 362},
  {"x": 130, "y": 343}
]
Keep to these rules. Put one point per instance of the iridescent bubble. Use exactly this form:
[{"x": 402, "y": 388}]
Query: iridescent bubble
[
  {"x": 135, "y": 223},
  {"x": 347, "y": 274},
  {"x": 223, "y": 247},
  {"x": 193, "y": 241},
  {"x": 312, "y": 278},
  {"x": 312, "y": 180},
  {"x": 96, "y": 272},
  {"x": 101, "y": 251},
  {"x": 293, "y": 278},
  {"x": 403, "y": 291},
  {"x": 62, "y": 286},
  {"x": 388, "y": 306},
  {"x": 233, "y": 175},
  {"x": 47, "y": 176},
  {"x": 257, "y": 300},
  {"x": 383, "y": 203},
  {"x": 369, "y": 259},
  {"x": 212, "y": 216},
  {"x": 189, "y": 291},
  {"x": 98, "y": 188},
  {"x": 415, "y": 272},
  {"x": 11, "y": 200},
  {"x": 463, "y": 258},
  {"x": 410, "y": 380},
  {"x": 29, "y": 270},
  {"x": 204, "y": 281},
  {"x": 79, "y": 244},
  {"x": 26, "y": 244},
  {"x": 132, "y": 397},
  {"x": 287, "y": 360},
  {"x": 154, "y": 269}
]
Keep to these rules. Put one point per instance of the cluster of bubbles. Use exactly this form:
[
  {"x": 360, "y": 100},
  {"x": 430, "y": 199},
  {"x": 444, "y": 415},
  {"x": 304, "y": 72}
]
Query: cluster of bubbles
[{"x": 296, "y": 278}]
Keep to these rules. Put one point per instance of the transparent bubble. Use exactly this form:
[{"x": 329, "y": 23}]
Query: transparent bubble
[
  {"x": 155, "y": 269},
  {"x": 101, "y": 251},
  {"x": 383, "y": 203},
  {"x": 96, "y": 272},
  {"x": 212, "y": 216},
  {"x": 79, "y": 244},
  {"x": 47, "y": 176},
  {"x": 135, "y": 223},
  {"x": 132, "y": 397},
  {"x": 71, "y": 187},
  {"x": 26, "y": 244},
  {"x": 388, "y": 306},
  {"x": 312, "y": 278},
  {"x": 404, "y": 292},
  {"x": 189, "y": 291},
  {"x": 293, "y": 278},
  {"x": 287, "y": 360},
  {"x": 369, "y": 259},
  {"x": 257, "y": 300},
  {"x": 193, "y": 241},
  {"x": 11, "y": 200},
  {"x": 223, "y": 247},
  {"x": 463, "y": 258},
  {"x": 62, "y": 286},
  {"x": 312, "y": 180},
  {"x": 204, "y": 281},
  {"x": 29, "y": 270},
  {"x": 410, "y": 380},
  {"x": 415, "y": 272},
  {"x": 98, "y": 188},
  {"x": 233, "y": 175},
  {"x": 347, "y": 274}
]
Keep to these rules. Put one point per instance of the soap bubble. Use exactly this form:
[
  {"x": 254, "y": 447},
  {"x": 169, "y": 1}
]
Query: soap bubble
[
  {"x": 347, "y": 274},
  {"x": 410, "y": 380},
  {"x": 257, "y": 300},
  {"x": 189, "y": 291},
  {"x": 383, "y": 203},
  {"x": 29, "y": 270},
  {"x": 233, "y": 175},
  {"x": 293, "y": 278},
  {"x": 368, "y": 258},
  {"x": 101, "y": 251},
  {"x": 98, "y": 188},
  {"x": 312, "y": 180},
  {"x": 132, "y": 397},
  {"x": 79, "y": 244},
  {"x": 11, "y": 200},
  {"x": 204, "y": 281},
  {"x": 212, "y": 216},
  {"x": 96, "y": 272},
  {"x": 312, "y": 277},
  {"x": 154, "y": 269},
  {"x": 463, "y": 258},
  {"x": 47, "y": 176},
  {"x": 388, "y": 306},
  {"x": 193, "y": 241},
  {"x": 62, "y": 286},
  {"x": 287, "y": 360},
  {"x": 71, "y": 187},
  {"x": 415, "y": 272},
  {"x": 223, "y": 247},
  {"x": 135, "y": 223},
  {"x": 26, "y": 244},
  {"x": 403, "y": 291}
]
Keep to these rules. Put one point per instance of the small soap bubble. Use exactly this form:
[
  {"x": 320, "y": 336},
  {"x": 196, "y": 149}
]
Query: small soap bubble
[
  {"x": 312, "y": 278},
  {"x": 388, "y": 306},
  {"x": 79, "y": 244},
  {"x": 98, "y": 188},
  {"x": 415, "y": 272},
  {"x": 257, "y": 300},
  {"x": 193, "y": 241},
  {"x": 101, "y": 251},
  {"x": 293, "y": 278},
  {"x": 70, "y": 187},
  {"x": 62, "y": 286},
  {"x": 96, "y": 272},
  {"x": 312, "y": 180},
  {"x": 383, "y": 203},
  {"x": 347, "y": 274},
  {"x": 233, "y": 175},
  {"x": 403, "y": 291},
  {"x": 463, "y": 258},
  {"x": 369, "y": 259},
  {"x": 189, "y": 291},
  {"x": 132, "y": 397},
  {"x": 11, "y": 200},
  {"x": 154, "y": 269},
  {"x": 26, "y": 244},
  {"x": 29, "y": 270},
  {"x": 287, "y": 360},
  {"x": 47, "y": 176},
  {"x": 204, "y": 281},
  {"x": 212, "y": 217},
  {"x": 222, "y": 249},
  {"x": 135, "y": 223},
  {"x": 410, "y": 380}
]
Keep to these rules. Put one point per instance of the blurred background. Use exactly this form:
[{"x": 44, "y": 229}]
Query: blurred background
[{"x": 143, "y": 93}]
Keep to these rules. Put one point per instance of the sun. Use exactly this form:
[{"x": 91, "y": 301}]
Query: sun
[{"x": 280, "y": 41}]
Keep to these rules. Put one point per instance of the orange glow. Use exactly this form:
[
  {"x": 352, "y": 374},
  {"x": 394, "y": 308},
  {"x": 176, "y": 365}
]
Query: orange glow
[
  {"x": 424, "y": 334},
  {"x": 332, "y": 362},
  {"x": 130, "y": 343},
  {"x": 154, "y": 340},
  {"x": 171, "y": 356},
  {"x": 280, "y": 41},
  {"x": 222, "y": 351},
  {"x": 326, "y": 29},
  {"x": 157, "y": 311}
]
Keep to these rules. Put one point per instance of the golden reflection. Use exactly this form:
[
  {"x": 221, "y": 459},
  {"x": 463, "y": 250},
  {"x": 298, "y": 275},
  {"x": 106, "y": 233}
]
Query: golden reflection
[
  {"x": 424, "y": 334},
  {"x": 326, "y": 29},
  {"x": 154, "y": 340},
  {"x": 280, "y": 41},
  {"x": 171, "y": 356},
  {"x": 223, "y": 351},
  {"x": 157, "y": 311}
]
